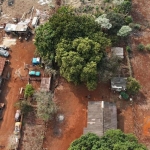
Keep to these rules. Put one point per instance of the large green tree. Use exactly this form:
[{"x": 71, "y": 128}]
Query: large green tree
[
  {"x": 112, "y": 140},
  {"x": 78, "y": 60},
  {"x": 64, "y": 24}
]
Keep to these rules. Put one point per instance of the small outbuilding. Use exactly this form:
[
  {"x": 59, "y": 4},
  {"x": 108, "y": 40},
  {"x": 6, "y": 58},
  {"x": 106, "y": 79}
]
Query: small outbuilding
[
  {"x": 102, "y": 116},
  {"x": 118, "y": 51},
  {"x": 45, "y": 84},
  {"x": 118, "y": 83},
  {"x": 20, "y": 27}
]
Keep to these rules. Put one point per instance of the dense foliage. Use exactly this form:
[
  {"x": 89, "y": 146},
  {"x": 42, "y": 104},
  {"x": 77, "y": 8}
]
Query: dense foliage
[
  {"x": 76, "y": 43},
  {"x": 109, "y": 67},
  {"x": 133, "y": 86},
  {"x": 112, "y": 140},
  {"x": 78, "y": 60},
  {"x": 29, "y": 90},
  {"x": 63, "y": 25}
]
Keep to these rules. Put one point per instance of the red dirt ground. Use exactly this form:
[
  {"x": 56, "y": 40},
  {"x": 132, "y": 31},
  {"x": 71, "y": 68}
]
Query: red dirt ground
[
  {"x": 21, "y": 52},
  {"x": 72, "y": 103}
]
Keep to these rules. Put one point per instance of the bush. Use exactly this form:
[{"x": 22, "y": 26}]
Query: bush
[
  {"x": 128, "y": 49},
  {"x": 141, "y": 47},
  {"x": 133, "y": 86},
  {"x": 24, "y": 106},
  {"x": 137, "y": 26},
  {"x": 128, "y": 20},
  {"x": 147, "y": 47},
  {"x": 29, "y": 90}
]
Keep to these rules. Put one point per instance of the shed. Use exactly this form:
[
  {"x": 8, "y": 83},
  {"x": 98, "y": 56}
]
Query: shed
[
  {"x": 118, "y": 51},
  {"x": 2, "y": 64},
  {"x": 45, "y": 84},
  {"x": 102, "y": 116},
  {"x": 118, "y": 83},
  {"x": 20, "y": 27}
]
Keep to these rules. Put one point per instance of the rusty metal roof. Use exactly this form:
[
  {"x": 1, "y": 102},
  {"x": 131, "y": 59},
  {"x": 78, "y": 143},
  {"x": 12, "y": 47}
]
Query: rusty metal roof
[{"x": 2, "y": 64}]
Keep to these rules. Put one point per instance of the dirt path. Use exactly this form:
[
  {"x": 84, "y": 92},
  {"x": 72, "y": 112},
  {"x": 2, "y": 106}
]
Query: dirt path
[{"x": 22, "y": 52}]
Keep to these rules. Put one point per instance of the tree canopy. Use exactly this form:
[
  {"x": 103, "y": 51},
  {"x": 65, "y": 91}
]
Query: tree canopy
[
  {"x": 64, "y": 24},
  {"x": 112, "y": 140},
  {"x": 133, "y": 86},
  {"x": 78, "y": 60}
]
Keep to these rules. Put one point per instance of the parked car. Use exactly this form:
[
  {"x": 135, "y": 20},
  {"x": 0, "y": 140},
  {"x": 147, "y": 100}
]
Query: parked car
[
  {"x": 2, "y": 105},
  {"x": 18, "y": 115},
  {"x": 4, "y": 52},
  {"x": 34, "y": 73},
  {"x": 17, "y": 128},
  {"x": 4, "y": 47}
]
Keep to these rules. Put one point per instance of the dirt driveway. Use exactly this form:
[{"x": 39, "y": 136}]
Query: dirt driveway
[{"x": 21, "y": 52}]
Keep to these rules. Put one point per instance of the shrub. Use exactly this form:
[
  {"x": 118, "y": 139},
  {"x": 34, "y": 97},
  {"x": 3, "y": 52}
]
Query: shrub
[
  {"x": 128, "y": 49},
  {"x": 147, "y": 47},
  {"x": 133, "y": 86},
  {"x": 29, "y": 90},
  {"x": 24, "y": 106},
  {"x": 141, "y": 47},
  {"x": 128, "y": 20},
  {"x": 137, "y": 26}
]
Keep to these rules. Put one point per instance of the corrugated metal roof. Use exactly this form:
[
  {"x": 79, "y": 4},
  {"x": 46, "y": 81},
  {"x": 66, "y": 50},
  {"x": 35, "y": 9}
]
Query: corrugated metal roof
[
  {"x": 100, "y": 119},
  {"x": 45, "y": 84},
  {"x": 118, "y": 83},
  {"x": 20, "y": 27},
  {"x": 118, "y": 51},
  {"x": 2, "y": 64}
]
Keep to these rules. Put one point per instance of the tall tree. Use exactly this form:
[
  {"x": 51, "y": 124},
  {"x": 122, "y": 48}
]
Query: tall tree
[
  {"x": 63, "y": 25},
  {"x": 78, "y": 60},
  {"x": 112, "y": 140}
]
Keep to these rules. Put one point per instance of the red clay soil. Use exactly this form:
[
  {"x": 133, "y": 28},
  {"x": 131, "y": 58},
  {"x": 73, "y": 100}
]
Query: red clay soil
[
  {"x": 141, "y": 71},
  {"x": 72, "y": 101},
  {"x": 21, "y": 52}
]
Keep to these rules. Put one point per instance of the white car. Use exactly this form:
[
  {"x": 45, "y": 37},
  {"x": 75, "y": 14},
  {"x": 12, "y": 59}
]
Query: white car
[{"x": 18, "y": 115}]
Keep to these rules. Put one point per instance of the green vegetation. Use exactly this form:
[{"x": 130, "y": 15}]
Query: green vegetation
[
  {"x": 24, "y": 106},
  {"x": 28, "y": 90},
  {"x": 83, "y": 55},
  {"x": 133, "y": 86},
  {"x": 147, "y": 47},
  {"x": 63, "y": 25},
  {"x": 128, "y": 49},
  {"x": 109, "y": 68},
  {"x": 112, "y": 140},
  {"x": 77, "y": 43},
  {"x": 46, "y": 108},
  {"x": 124, "y": 31},
  {"x": 141, "y": 47}
]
